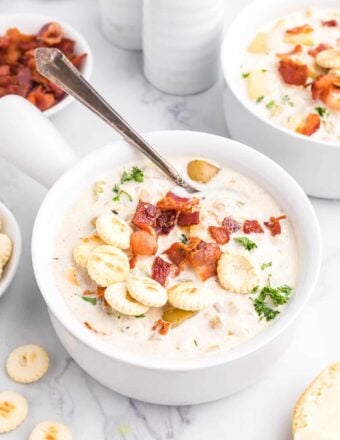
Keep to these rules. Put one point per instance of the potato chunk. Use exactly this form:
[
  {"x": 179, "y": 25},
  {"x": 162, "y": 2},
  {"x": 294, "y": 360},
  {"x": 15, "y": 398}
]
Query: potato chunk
[
  {"x": 202, "y": 171},
  {"x": 259, "y": 44},
  {"x": 256, "y": 84},
  {"x": 177, "y": 316}
]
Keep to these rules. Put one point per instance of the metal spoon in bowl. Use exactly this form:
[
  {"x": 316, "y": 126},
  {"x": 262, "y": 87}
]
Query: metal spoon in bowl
[{"x": 56, "y": 67}]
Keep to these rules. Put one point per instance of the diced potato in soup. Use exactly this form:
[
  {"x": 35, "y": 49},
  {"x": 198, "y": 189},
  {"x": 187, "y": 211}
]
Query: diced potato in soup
[
  {"x": 166, "y": 275},
  {"x": 290, "y": 73}
]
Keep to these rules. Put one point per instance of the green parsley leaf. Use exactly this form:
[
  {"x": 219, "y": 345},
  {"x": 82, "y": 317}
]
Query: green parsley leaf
[
  {"x": 136, "y": 175},
  {"x": 264, "y": 311},
  {"x": 121, "y": 192},
  {"x": 286, "y": 99},
  {"x": 195, "y": 342},
  {"x": 140, "y": 316},
  {"x": 90, "y": 299},
  {"x": 184, "y": 239},
  {"x": 271, "y": 104},
  {"x": 245, "y": 74},
  {"x": 255, "y": 289},
  {"x": 259, "y": 99},
  {"x": 266, "y": 265},
  {"x": 322, "y": 111},
  {"x": 246, "y": 243},
  {"x": 277, "y": 296},
  {"x": 115, "y": 189},
  {"x": 264, "y": 70}
]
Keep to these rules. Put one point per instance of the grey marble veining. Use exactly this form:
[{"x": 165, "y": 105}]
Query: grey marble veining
[{"x": 66, "y": 393}]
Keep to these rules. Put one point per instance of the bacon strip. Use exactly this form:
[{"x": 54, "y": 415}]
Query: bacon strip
[
  {"x": 220, "y": 234},
  {"x": 173, "y": 201},
  {"x": 295, "y": 51},
  {"x": 329, "y": 23},
  {"x": 144, "y": 242},
  {"x": 188, "y": 218},
  {"x": 160, "y": 270},
  {"x": 324, "y": 88},
  {"x": 292, "y": 72},
  {"x": 176, "y": 253},
  {"x": 231, "y": 225},
  {"x": 274, "y": 225},
  {"x": 162, "y": 327},
  {"x": 319, "y": 48},
  {"x": 145, "y": 214},
  {"x": 304, "y": 29},
  {"x": 165, "y": 221},
  {"x": 203, "y": 258},
  {"x": 252, "y": 226},
  {"x": 310, "y": 125}
]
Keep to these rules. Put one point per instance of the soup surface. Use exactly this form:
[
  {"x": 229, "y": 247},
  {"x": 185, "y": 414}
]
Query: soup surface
[
  {"x": 163, "y": 275},
  {"x": 290, "y": 73}
]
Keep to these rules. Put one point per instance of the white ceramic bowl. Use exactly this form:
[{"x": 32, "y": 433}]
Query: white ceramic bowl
[
  {"x": 11, "y": 228},
  {"x": 31, "y": 23},
  {"x": 156, "y": 380},
  {"x": 314, "y": 164}
]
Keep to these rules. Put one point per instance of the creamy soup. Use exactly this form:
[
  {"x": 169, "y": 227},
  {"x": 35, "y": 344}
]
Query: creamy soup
[
  {"x": 158, "y": 274},
  {"x": 291, "y": 73}
]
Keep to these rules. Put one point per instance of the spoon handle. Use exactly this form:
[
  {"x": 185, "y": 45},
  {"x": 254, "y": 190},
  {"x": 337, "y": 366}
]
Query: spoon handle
[{"x": 56, "y": 67}]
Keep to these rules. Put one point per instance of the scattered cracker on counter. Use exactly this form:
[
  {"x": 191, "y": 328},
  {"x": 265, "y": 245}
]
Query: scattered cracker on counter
[
  {"x": 6, "y": 248},
  {"x": 50, "y": 430},
  {"x": 13, "y": 410},
  {"x": 27, "y": 364},
  {"x": 316, "y": 415}
]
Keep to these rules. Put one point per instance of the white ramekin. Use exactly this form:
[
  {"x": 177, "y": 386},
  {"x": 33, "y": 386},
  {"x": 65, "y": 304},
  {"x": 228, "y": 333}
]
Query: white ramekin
[
  {"x": 314, "y": 164},
  {"x": 31, "y": 23},
  {"x": 157, "y": 380},
  {"x": 11, "y": 228}
]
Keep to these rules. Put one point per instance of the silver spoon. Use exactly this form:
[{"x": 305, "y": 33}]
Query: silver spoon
[{"x": 56, "y": 67}]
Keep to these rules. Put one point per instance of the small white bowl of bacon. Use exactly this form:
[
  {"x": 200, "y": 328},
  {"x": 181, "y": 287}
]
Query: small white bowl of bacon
[
  {"x": 20, "y": 35},
  {"x": 281, "y": 64}
]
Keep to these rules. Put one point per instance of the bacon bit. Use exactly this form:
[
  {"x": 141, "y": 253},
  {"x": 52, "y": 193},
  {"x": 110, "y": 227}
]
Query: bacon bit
[
  {"x": 304, "y": 29},
  {"x": 274, "y": 224},
  {"x": 145, "y": 214},
  {"x": 89, "y": 326},
  {"x": 250, "y": 226},
  {"x": 77, "y": 60},
  {"x": 204, "y": 259},
  {"x": 220, "y": 234},
  {"x": 165, "y": 221},
  {"x": 99, "y": 292},
  {"x": 17, "y": 64},
  {"x": 177, "y": 253},
  {"x": 231, "y": 225},
  {"x": 50, "y": 34},
  {"x": 310, "y": 125},
  {"x": 296, "y": 51},
  {"x": 322, "y": 46},
  {"x": 188, "y": 218},
  {"x": 173, "y": 201},
  {"x": 329, "y": 23},
  {"x": 160, "y": 270},
  {"x": 162, "y": 327},
  {"x": 323, "y": 88},
  {"x": 292, "y": 72},
  {"x": 133, "y": 262},
  {"x": 144, "y": 242}
]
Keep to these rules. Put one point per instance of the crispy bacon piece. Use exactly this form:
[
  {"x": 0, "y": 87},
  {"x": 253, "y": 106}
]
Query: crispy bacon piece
[
  {"x": 77, "y": 60},
  {"x": 165, "y": 221},
  {"x": 160, "y": 270},
  {"x": 310, "y": 125},
  {"x": 274, "y": 224},
  {"x": 188, "y": 218},
  {"x": 304, "y": 29},
  {"x": 177, "y": 253},
  {"x": 24, "y": 79},
  {"x": 319, "y": 48},
  {"x": 324, "y": 88},
  {"x": 162, "y": 327},
  {"x": 329, "y": 23},
  {"x": 40, "y": 99},
  {"x": 220, "y": 234},
  {"x": 145, "y": 214},
  {"x": 231, "y": 225},
  {"x": 250, "y": 226},
  {"x": 293, "y": 72},
  {"x": 295, "y": 51},
  {"x": 133, "y": 261},
  {"x": 173, "y": 201},
  {"x": 203, "y": 258},
  {"x": 66, "y": 46},
  {"x": 144, "y": 242},
  {"x": 50, "y": 34},
  {"x": 5, "y": 70}
]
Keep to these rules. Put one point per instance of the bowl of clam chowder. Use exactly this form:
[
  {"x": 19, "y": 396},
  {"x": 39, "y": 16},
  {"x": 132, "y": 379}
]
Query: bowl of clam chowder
[
  {"x": 282, "y": 94},
  {"x": 179, "y": 298}
]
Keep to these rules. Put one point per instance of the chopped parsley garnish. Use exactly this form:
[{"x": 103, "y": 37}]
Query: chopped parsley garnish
[
  {"x": 264, "y": 70},
  {"x": 246, "y": 243},
  {"x": 271, "y": 104},
  {"x": 322, "y": 111},
  {"x": 90, "y": 299},
  {"x": 119, "y": 193},
  {"x": 255, "y": 289},
  {"x": 259, "y": 99},
  {"x": 245, "y": 74},
  {"x": 140, "y": 316},
  {"x": 286, "y": 99},
  {"x": 266, "y": 265},
  {"x": 269, "y": 298},
  {"x": 195, "y": 342},
  {"x": 184, "y": 239},
  {"x": 136, "y": 175}
]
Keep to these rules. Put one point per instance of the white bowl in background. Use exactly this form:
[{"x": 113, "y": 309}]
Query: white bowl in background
[
  {"x": 176, "y": 382},
  {"x": 11, "y": 228},
  {"x": 31, "y": 23},
  {"x": 313, "y": 163}
]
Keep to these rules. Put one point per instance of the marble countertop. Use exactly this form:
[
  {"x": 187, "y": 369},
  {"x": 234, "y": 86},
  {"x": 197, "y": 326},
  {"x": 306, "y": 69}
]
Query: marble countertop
[{"x": 66, "y": 393}]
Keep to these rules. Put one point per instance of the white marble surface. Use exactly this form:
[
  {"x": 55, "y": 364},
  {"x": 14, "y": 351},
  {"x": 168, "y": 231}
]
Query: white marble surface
[{"x": 261, "y": 412}]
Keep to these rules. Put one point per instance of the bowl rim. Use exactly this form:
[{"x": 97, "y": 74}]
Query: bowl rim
[
  {"x": 79, "y": 332},
  {"x": 70, "y": 32},
  {"x": 236, "y": 25},
  {"x": 13, "y": 263}
]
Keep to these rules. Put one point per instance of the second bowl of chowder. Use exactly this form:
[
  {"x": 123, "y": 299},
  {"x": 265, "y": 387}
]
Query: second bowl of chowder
[
  {"x": 179, "y": 300},
  {"x": 282, "y": 70}
]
